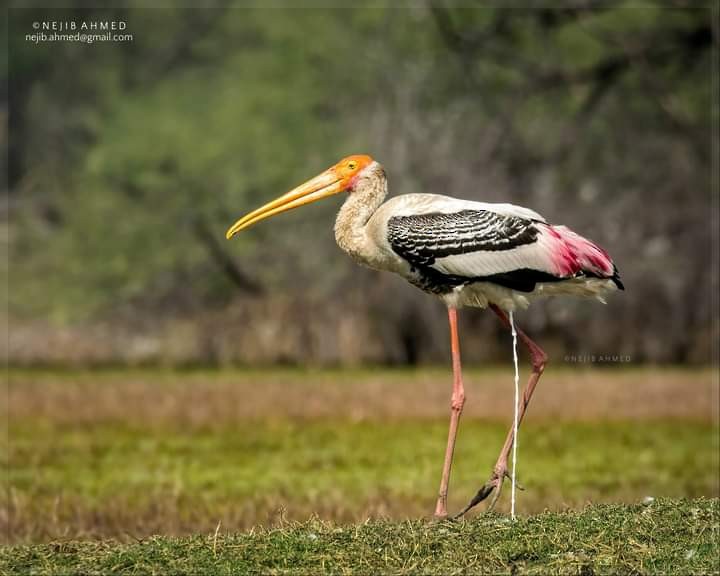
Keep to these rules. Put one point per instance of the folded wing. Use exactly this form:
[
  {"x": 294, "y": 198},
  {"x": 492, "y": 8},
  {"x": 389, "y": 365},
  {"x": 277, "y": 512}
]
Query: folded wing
[{"x": 473, "y": 245}]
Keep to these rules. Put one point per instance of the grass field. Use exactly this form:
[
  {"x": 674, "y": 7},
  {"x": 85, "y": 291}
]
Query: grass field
[
  {"x": 129, "y": 454},
  {"x": 664, "y": 537}
]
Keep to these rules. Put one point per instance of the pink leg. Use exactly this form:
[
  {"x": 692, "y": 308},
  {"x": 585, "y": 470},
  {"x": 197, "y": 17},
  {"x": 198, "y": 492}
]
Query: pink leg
[
  {"x": 539, "y": 360},
  {"x": 456, "y": 406}
]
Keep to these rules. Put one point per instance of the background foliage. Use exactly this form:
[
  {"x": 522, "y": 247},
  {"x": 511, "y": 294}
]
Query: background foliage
[{"x": 127, "y": 162}]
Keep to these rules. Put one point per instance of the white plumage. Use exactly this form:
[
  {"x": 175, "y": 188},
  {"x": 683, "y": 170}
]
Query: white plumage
[{"x": 555, "y": 251}]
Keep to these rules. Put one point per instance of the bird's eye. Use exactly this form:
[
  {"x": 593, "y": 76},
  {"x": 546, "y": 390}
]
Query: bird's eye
[{"x": 352, "y": 165}]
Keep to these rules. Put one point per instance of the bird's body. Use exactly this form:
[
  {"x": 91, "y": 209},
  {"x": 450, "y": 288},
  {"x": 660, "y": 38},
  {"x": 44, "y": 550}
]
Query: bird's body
[
  {"x": 478, "y": 254},
  {"x": 469, "y": 253}
]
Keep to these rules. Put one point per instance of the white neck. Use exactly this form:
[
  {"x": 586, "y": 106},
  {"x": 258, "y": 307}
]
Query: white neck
[{"x": 351, "y": 224}]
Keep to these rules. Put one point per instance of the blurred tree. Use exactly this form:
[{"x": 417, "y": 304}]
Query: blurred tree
[{"x": 132, "y": 158}]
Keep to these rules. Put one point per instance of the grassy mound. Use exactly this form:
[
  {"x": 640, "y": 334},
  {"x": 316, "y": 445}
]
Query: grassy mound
[{"x": 661, "y": 537}]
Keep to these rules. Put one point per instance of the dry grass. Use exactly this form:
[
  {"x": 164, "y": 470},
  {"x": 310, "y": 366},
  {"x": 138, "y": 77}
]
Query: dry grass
[{"x": 218, "y": 398}]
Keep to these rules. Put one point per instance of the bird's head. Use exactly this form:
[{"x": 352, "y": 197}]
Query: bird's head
[{"x": 338, "y": 178}]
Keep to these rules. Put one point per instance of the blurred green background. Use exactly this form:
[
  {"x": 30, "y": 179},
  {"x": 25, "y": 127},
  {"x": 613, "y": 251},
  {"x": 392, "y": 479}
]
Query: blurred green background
[{"x": 127, "y": 161}]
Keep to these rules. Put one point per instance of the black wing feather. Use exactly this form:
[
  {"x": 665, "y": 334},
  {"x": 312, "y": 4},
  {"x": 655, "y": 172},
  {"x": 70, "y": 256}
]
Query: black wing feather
[{"x": 421, "y": 239}]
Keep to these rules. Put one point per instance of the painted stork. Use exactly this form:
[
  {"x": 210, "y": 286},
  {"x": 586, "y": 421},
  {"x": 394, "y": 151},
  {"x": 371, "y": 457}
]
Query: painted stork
[{"x": 496, "y": 256}]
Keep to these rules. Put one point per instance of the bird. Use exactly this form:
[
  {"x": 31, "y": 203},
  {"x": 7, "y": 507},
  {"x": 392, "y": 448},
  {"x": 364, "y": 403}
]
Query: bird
[{"x": 497, "y": 256}]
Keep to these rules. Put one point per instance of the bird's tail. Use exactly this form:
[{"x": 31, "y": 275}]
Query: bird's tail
[{"x": 590, "y": 259}]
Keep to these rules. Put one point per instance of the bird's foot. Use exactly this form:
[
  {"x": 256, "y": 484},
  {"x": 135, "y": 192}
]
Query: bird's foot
[
  {"x": 494, "y": 484},
  {"x": 441, "y": 508}
]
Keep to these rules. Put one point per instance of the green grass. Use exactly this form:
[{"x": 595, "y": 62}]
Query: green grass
[
  {"x": 113, "y": 480},
  {"x": 337, "y": 472},
  {"x": 662, "y": 537}
]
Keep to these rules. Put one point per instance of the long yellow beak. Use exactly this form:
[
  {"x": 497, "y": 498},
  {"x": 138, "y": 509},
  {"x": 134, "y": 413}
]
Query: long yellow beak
[{"x": 323, "y": 185}]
